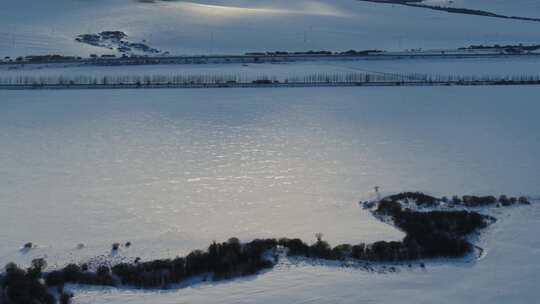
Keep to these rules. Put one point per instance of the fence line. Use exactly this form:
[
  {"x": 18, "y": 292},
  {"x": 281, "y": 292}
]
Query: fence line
[{"x": 179, "y": 80}]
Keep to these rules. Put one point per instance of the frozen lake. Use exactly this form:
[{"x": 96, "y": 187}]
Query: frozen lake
[{"x": 172, "y": 170}]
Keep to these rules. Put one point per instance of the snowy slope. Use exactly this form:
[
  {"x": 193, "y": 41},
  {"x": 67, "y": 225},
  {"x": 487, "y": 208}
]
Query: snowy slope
[{"x": 211, "y": 26}]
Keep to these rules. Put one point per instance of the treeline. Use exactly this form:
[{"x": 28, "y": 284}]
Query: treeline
[
  {"x": 424, "y": 200},
  {"x": 26, "y": 286},
  {"x": 433, "y": 233},
  {"x": 216, "y": 79},
  {"x": 183, "y": 79},
  {"x": 41, "y": 58},
  {"x": 532, "y": 47},
  {"x": 326, "y": 53},
  {"x": 222, "y": 260}
]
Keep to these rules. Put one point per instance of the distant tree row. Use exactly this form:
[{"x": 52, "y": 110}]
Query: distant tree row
[
  {"x": 25, "y": 286},
  {"x": 424, "y": 200},
  {"x": 213, "y": 79}
]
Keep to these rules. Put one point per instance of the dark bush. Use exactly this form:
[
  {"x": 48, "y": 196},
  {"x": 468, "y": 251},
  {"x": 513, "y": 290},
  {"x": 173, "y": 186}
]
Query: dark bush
[
  {"x": 475, "y": 201},
  {"x": 103, "y": 271},
  {"x": 20, "y": 287},
  {"x": 224, "y": 260},
  {"x": 504, "y": 200},
  {"x": 342, "y": 251},
  {"x": 523, "y": 200},
  {"x": 65, "y": 297},
  {"x": 388, "y": 207},
  {"x": 359, "y": 251},
  {"x": 295, "y": 246},
  {"x": 321, "y": 249}
]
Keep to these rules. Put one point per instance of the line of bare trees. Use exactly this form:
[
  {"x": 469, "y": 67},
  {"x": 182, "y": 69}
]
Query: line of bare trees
[{"x": 201, "y": 79}]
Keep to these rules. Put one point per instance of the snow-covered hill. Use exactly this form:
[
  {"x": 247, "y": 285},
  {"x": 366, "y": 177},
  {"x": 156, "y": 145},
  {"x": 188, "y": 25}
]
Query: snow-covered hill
[{"x": 236, "y": 26}]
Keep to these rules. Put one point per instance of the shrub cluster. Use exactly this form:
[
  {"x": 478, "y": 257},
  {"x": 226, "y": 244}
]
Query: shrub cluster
[
  {"x": 74, "y": 273},
  {"x": 224, "y": 260},
  {"x": 428, "y": 234},
  {"x": 23, "y": 286},
  {"x": 425, "y": 200},
  {"x": 477, "y": 201}
]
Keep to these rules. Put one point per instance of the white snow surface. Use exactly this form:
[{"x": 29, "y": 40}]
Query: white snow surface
[
  {"x": 509, "y": 273},
  {"x": 172, "y": 170},
  {"x": 30, "y": 27}
]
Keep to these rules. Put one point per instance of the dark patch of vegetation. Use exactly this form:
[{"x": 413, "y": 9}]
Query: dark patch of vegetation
[
  {"x": 74, "y": 273},
  {"x": 115, "y": 246},
  {"x": 23, "y": 286},
  {"x": 438, "y": 233},
  {"x": 311, "y": 52},
  {"x": 475, "y": 201},
  {"x": 114, "y": 39},
  {"x": 262, "y": 81},
  {"x": 49, "y": 58},
  {"x": 507, "y": 47},
  {"x": 360, "y": 53},
  {"x": 390, "y": 204},
  {"x": 65, "y": 297},
  {"x": 428, "y": 235},
  {"x": 224, "y": 260}
]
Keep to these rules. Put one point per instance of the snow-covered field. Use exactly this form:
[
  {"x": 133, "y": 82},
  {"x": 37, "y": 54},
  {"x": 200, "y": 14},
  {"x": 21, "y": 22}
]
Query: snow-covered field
[
  {"x": 500, "y": 66},
  {"x": 508, "y": 273},
  {"x": 236, "y": 26},
  {"x": 172, "y": 170}
]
